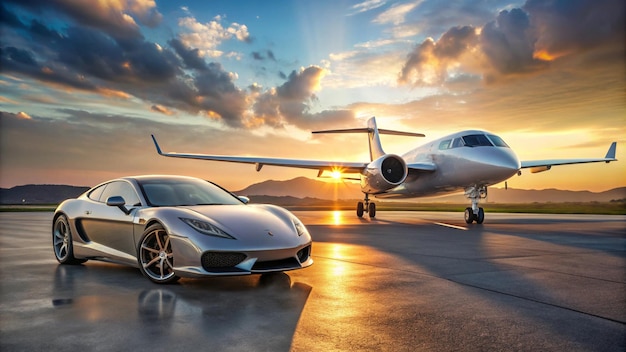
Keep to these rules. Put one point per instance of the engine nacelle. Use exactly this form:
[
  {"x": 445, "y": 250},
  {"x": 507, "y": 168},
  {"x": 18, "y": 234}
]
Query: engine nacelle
[{"x": 383, "y": 174}]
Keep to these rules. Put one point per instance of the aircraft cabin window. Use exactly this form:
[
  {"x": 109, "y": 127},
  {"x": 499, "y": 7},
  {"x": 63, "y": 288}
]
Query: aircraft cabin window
[
  {"x": 499, "y": 142},
  {"x": 444, "y": 144},
  {"x": 477, "y": 140}
]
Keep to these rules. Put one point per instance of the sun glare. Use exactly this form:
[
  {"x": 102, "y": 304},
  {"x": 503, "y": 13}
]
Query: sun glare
[{"x": 336, "y": 174}]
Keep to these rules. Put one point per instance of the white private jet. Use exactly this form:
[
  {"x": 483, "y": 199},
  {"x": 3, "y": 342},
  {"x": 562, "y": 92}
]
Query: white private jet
[{"x": 467, "y": 161}]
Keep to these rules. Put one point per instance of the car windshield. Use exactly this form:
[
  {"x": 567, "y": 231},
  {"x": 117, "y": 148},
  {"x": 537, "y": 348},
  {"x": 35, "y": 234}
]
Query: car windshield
[{"x": 179, "y": 192}]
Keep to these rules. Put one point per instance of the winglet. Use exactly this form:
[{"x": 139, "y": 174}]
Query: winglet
[
  {"x": 611, "y": 153},
  {"x": 156, "y": 145}
]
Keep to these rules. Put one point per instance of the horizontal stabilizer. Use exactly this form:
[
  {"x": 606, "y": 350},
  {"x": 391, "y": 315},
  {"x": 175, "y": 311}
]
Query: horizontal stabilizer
[{"x": 368, "y": 130}]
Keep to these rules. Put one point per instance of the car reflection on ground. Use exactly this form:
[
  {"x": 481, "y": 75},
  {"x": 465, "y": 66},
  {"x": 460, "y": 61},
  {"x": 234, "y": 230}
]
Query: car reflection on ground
[{"x": 220, "y": 310}]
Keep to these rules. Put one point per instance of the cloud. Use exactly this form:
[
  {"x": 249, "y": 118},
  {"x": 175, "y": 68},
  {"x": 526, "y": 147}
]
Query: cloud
[
  {"x": 568, "y": 27},
  {"x": 517, "y": 42},
  {"x": 171, "y": 78},
  {"x": 90, "y": 60},
  {"x": 191, "y": 57},
  {"x": 23, "y": 115},
  {"x": 292, "y": 102},
  {"x": 22, "y": 62},
  {"x": 509, "y": 46},
  {"x": 259, "y": 56},
  {"x": 430, "y": 61},
  {"x": 208, "y": 36},
  {"x": 115, "y": 17},
  {"x": 365, "y": 6},
  {"x": 396, "y": 14},
  {"x": 162, "y": 109},
  {"x": 302, "y": 84},
  {"x": 93, "y": 53},
  {"x": 83, "y": 57}
]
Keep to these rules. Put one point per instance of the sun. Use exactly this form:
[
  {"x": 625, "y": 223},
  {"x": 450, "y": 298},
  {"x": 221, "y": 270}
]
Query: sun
[{"x": 335, "y": 175}]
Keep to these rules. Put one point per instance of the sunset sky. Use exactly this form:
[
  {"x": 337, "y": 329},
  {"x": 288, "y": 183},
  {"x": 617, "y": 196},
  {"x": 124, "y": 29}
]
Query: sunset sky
[{"x": 83, "y": 84}]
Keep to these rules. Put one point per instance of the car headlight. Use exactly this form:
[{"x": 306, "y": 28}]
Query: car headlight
[
  {"x": 299, "y": 227},
  {"x": 206, "y": 228}
]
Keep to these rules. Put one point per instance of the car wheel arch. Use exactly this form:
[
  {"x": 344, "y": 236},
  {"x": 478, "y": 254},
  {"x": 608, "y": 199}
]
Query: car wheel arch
[
  {"x": 57, "y": 215},
  {"x": 152, "y": 222}
]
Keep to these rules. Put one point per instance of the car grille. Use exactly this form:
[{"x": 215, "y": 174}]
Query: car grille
[
  {"x": 221, "y": 260},
  {"x": 273, "y": 265},
  {"x": 284, "y": 264}
]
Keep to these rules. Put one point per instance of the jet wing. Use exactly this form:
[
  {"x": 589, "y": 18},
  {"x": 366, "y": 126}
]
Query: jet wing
[
  {"x": 345, "y": 167},
  {"x": 544, "y": 165}
]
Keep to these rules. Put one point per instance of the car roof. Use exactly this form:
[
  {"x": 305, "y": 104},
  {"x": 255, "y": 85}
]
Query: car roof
[{"x": 158, "y": 177}]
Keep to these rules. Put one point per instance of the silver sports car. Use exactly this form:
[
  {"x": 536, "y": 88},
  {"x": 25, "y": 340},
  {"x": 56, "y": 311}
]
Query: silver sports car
[{"x": 175, "y": 226}]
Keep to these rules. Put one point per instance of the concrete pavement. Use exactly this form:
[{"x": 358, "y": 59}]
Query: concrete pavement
[{"x": 407, "y": 281}]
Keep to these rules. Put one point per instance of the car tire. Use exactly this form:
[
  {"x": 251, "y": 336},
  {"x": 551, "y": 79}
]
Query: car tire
[
  {"x": 155, "y": 256},
  {"x": 62, "y": 242}
]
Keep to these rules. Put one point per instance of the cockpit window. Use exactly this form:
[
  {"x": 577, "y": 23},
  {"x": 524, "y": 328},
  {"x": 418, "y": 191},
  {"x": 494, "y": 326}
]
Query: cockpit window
[
  {"x": 497, "y": 141},
  {"x": 444, "y": 144},
  {"x": 477, "y": 140},
  {"x": 457, "y": 143}
]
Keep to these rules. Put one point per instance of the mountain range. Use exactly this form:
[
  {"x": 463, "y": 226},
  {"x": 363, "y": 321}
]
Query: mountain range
[
  {"x": 317, "y": 191},
  {"x": 302, "y": 187}
]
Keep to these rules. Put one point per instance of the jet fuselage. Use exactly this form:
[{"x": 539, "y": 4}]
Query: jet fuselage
[{"x": 467, "y": 158}]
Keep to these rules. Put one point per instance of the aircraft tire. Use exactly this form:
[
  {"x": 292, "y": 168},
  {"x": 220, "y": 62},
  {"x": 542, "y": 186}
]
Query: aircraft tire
[
  {"x": 372, "y": 210},
  {"x": 469, "y": 215},
  {"x": 481, "y": 216},
  {"x": 360, "y": 209}
]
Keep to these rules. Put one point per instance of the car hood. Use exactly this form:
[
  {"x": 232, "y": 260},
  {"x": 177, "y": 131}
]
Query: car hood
[{"x": 253, "y": 224}]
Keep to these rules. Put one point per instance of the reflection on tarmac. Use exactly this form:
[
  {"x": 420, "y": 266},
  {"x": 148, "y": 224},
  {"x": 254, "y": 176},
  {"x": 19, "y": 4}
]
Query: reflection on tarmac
[
  {"x": 220, "y": 310},
  {"x": 401, "y": 282}
]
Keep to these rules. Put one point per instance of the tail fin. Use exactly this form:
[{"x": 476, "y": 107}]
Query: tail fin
[{"x": 376, "y": 148}]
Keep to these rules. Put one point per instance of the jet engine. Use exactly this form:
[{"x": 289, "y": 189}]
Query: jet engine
[{"x": 383, "y": 174}]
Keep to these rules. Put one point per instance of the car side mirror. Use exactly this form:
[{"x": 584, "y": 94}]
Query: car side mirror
[
  {"x": 117, "y": 201},
  {"x": 244, "y": 199}
]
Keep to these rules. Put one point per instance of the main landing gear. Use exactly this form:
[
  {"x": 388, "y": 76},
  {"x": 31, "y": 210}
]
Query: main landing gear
[
  {"x": 475, "y": 213},
  {"x": 367, "y": 207}
]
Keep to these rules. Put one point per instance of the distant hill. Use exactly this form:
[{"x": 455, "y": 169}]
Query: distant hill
[
  {"x": 499, "y": 195},
  {"x": 39, "y": 194},
  {"x": 303, "y": 190},
  {"x": 303, "y": 187}
]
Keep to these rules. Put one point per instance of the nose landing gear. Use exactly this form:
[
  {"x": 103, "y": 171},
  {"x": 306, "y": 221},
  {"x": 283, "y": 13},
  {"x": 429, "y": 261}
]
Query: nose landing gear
[
  {"x": 475, "y": 213},
  {"x": 367, "y": 207}
]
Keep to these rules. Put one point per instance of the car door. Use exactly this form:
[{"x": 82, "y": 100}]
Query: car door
[{"x": 108, "y": 227}]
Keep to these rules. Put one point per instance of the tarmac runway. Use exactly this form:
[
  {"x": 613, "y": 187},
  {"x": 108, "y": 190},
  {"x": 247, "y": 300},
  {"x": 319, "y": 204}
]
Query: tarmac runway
[{"x": 407, "y": 281}]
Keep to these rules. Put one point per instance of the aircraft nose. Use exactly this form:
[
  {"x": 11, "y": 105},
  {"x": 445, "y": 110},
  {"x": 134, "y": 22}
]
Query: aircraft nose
[{"x": 504, "y": 162}]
